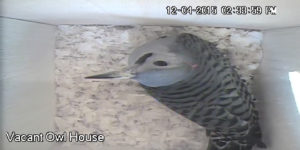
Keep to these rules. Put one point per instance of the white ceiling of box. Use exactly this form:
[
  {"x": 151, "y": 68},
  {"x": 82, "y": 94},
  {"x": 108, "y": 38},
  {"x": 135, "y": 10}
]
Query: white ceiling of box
[{"x": 145, "y": 12}]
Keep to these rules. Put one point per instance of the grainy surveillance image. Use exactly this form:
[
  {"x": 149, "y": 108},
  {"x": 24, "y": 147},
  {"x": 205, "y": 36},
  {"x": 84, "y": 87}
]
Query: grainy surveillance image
[{"x": 159, "y": 75}]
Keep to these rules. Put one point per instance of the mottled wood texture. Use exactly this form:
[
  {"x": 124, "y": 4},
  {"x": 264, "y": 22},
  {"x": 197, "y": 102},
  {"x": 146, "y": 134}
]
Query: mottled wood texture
[{"x": 119, "y": 109}]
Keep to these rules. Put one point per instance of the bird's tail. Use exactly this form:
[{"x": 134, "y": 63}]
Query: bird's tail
[{"x": 253, "y": 138}]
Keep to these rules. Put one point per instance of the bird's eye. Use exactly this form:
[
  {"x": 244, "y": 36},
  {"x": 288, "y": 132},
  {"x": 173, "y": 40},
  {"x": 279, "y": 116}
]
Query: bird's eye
[
  {"x": 160, "y": 63},
  {"x": 162, "y": 37}
]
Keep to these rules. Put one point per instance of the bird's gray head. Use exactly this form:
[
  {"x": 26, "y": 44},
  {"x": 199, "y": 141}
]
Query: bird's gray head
[{"x": 161, "y": 62}]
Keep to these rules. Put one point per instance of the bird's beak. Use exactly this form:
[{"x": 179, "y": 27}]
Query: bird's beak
[{"x": 125, "y": 73}]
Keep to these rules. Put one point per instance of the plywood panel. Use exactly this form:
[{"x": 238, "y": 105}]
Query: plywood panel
[
  {"x": 27, "y": 80},
  {"x": 120, "y": 12}
]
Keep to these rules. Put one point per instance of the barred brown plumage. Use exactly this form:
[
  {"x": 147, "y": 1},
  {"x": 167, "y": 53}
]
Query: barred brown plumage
[{"x": 193, "y": 78}]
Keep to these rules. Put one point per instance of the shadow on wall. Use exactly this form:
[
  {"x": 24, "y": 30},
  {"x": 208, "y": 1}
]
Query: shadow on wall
[{"x": 274, "y": 85}]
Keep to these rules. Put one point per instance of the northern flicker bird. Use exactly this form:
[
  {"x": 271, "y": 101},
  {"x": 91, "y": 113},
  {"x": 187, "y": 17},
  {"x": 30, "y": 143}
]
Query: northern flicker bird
[{"x": 193, "y": 78}]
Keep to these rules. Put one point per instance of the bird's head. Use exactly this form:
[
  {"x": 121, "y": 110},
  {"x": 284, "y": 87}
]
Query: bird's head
[{"x": 161, "y": 62}]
